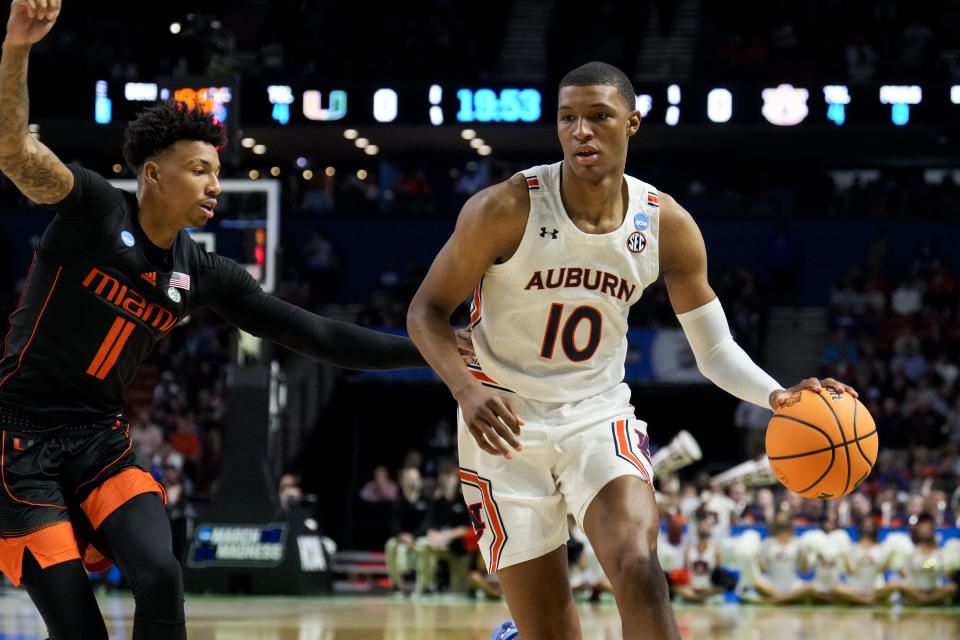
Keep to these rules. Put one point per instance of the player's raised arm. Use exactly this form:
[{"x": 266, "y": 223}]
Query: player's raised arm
[
  {"x": 488, "y": 230},
  {"x": 36, "y": 171}
]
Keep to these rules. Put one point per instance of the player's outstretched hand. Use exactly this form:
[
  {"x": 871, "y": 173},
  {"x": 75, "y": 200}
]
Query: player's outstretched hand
[
  {"x": 777, "y": 398},
  {"x": 465, "y": 345},
  {"x": 31, "y": 20},
  {"x": 492, "y": 422}
]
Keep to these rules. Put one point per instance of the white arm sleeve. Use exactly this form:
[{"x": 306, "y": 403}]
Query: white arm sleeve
[{"x": 721, "y": 359}]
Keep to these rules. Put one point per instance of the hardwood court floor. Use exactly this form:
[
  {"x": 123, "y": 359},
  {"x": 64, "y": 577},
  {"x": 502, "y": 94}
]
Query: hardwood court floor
[{"x": 455, "y": 618}]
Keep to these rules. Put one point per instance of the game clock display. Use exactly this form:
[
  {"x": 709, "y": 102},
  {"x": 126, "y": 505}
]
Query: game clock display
[{"x": 509, "y": 105}]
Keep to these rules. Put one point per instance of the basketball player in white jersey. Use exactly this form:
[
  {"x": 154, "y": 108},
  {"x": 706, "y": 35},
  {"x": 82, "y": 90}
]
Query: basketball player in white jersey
[
  {"x": 700, "y": 559},
  {"x": 555, "y": 256}
]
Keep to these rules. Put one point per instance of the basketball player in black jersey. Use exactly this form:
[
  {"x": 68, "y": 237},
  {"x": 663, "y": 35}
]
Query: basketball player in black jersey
[{"x": 113, "y": 275}]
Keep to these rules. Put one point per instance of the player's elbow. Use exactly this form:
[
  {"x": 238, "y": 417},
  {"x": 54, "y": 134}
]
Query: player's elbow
[
  {"x": 416, "y": 318},
  {"x": 420, "y": 313}
]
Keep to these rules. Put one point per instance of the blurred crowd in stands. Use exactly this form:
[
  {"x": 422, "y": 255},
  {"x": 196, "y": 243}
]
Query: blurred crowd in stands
[{"x": 896, "y": 338}]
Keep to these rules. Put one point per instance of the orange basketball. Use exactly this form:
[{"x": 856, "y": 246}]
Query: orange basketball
[{"x": 822, "y": 445}]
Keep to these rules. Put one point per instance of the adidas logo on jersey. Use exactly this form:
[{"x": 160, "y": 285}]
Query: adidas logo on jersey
[{"x": 150, "y": 277}]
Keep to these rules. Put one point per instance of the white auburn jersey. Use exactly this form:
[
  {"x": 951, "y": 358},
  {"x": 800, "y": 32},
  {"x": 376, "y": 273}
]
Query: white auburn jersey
[
  {"x": 867, "y": 567},
  {"x": 550, "y": 323}
]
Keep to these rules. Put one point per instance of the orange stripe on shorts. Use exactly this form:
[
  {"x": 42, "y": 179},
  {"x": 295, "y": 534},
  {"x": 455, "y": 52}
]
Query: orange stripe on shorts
[
  {"x": 493, "y": 516},
  {"x": 49, "y": 545},
  {"x": 116, "y": 490}
]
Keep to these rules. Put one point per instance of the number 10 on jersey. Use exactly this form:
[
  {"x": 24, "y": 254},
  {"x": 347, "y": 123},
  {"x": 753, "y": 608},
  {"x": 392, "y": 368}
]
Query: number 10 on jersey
[{"x": 578, "y": 315}]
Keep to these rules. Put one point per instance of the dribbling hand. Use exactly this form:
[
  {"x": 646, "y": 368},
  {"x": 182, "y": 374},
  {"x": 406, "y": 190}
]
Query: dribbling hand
[
  {"x": 492, "y": 422},
  {"x": 777, "y": 398},
  {"x": 31, "y": 20}
]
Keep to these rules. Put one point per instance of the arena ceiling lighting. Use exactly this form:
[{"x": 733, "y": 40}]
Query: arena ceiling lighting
[
  {"x": 350, "y": 134},
  {"x": 175, "y": 28},
  {"x": 260, "y": 149},
  {"x": 247, "y": 143}
]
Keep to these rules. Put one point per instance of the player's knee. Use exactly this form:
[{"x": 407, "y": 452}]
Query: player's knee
[
  {"x": 161, "y": 578},
  {"x": 638, "y": 563}
]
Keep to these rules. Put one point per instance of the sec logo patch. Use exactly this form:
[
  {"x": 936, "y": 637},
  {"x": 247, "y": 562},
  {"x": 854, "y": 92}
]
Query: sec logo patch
[{"x": 637, "y": 242}]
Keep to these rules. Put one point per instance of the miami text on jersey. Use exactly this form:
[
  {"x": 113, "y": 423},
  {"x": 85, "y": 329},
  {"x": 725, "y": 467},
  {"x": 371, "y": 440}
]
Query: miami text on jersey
[{"x": 129, "y": 300}]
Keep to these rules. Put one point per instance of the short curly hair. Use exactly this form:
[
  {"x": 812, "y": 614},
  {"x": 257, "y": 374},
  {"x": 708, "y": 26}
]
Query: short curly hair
[
  {"x": 160, "y": 126},
  {"x": 601, "y": 73}
]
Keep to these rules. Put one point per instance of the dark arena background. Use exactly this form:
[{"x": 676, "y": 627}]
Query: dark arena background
[{"x": 817, "y": 145}]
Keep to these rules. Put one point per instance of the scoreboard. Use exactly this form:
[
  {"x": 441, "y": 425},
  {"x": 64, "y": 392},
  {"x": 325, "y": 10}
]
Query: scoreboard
[{"x": 438, "y": 104}]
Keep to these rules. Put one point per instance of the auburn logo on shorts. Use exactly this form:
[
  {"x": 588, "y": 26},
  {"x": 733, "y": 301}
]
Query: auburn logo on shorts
[{"x": 476, "y": 519}]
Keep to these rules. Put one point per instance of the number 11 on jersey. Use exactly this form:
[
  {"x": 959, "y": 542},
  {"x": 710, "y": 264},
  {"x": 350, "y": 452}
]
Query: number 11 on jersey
[
  {"x": 578, "y": 315},
  {"x": 110, "y": 348}
]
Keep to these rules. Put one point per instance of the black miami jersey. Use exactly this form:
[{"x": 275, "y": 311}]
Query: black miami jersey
[{"x": 98, "y": 298}]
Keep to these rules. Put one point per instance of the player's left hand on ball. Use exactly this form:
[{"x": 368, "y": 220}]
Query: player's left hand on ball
[
  {"x": 465, "y": 345},
  {"x": 777, "y": 398}
]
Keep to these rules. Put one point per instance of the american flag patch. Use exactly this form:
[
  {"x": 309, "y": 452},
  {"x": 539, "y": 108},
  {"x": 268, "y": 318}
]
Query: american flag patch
[
  {"x": 180, "y": 280},
  {"x": 653, "y": 200},
  {"x": 533, "y": 183}
]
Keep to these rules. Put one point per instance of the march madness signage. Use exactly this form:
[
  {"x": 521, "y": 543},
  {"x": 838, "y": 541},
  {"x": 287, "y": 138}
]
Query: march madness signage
[{"x": 238, "y": 545}]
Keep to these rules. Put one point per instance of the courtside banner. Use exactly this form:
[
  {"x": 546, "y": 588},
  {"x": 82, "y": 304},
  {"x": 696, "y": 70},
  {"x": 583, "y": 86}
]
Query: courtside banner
[{"x": 237, "y": 545}]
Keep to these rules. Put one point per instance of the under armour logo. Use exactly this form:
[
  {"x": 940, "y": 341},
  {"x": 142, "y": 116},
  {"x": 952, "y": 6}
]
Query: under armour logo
[{"x": 553, "y": 234}]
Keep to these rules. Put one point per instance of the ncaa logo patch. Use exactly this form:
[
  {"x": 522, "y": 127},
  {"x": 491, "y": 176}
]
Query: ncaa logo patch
[
  {"x": 173, "y": 294},
  {"x": 127, "y": 238},
  {"x": 637, "y": 242},
  {"x": 640, "y": 222}
]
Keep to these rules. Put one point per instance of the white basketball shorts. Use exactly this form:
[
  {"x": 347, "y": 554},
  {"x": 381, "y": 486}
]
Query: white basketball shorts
[{"x": 570, "y": 451}]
